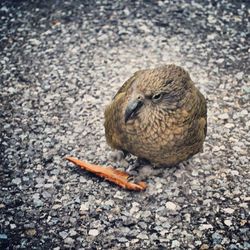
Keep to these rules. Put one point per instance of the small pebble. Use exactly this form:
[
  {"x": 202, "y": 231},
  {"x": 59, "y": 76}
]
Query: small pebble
[
  {"x": 93, "y": 232},
  {"x": 228, "y": 223},
  {"x": 205, "y": 227},
  {"x": 171, "y": 206}
]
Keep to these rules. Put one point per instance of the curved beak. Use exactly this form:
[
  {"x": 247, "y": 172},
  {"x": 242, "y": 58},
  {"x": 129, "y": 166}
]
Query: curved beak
[{"x": 132, "y": 109}]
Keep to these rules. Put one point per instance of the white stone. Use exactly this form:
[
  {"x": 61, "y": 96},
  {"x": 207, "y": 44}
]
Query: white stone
[
  {"x": 93, "y": 232},
  {"x": 228, "y": 222},
  {"x": 171, "y": 206},
  {"x": 211, "y": 19},
  {"x": 4, "y": 9},
  {"x": 229, "y": 125},
  {"x": 134, "y": 208},
  {"x": 239, "y": 75},
  {"x": 216, "y": 148},
  {"x": 221, "y": 60},
  {"x": 246, "y": 198},
  {"x": 56, "y": 206},
  {"x": 142, "y": 236},
  {"x": 244, "y": 112},
  {"x": 205, "y": 227},
  {"x": 224, "y": 116},
  {"x": 69, "y": 241},
  {"x": 175, "y": 243},
  {"x": 244, "y": 205},
  {"x": 84, "y": 207},
  {"x": 234, "y": 172},
  {"x": 228, "y": 210},
  {"x": 63, "y": 234},
  {"x": 237, "y": 148},
  {"x": 34, "y": 42},
  {"x": 16, "y": 181}
]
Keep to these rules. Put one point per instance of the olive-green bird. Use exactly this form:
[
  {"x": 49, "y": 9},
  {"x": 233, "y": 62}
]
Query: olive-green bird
[{"x": 158, "y": 115}]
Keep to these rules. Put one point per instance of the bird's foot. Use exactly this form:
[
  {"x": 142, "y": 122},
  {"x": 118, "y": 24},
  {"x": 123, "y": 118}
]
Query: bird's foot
[
  {"x": 144, "y": 173},
  {"x": 138, "y": 164},
  {"x": 116, "y": 156},
  {"x": 132, "y": 169},
  {"x": 135, "y": 178},
  {"x": 141, "y": 162},
  {"x": 184, "y": 164}
]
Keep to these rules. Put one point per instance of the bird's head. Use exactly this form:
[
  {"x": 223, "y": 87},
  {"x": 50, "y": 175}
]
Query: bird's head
[{"x": 159, "y": 90}]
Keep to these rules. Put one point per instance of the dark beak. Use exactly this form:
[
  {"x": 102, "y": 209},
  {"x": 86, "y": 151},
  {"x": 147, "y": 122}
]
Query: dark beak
[{"x": 132, "y": 109}]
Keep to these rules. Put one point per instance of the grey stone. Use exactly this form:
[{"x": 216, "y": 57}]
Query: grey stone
[
  {"x": 142, "y": 236},
  {"x": 63, "y": 234},
  {"x": 122, "y": 239},
  {"x": 205, "y": 227},
  {"x": 175, "y": 244},
  {"x": 217, "y": 238},
  {"x": 228, "y": 210},
  {"x": 69, "y": 241},
  {"x": 17, "y": 181},
  {"x": 34, "y": 41}
]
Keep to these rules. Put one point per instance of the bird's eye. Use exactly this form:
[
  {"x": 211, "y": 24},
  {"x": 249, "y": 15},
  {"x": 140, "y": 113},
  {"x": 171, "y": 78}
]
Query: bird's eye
[{"x": 157, "y": 97}]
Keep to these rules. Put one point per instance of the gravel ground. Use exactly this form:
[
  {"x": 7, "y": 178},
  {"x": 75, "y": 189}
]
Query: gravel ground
[{"x": 61, "y": 62}]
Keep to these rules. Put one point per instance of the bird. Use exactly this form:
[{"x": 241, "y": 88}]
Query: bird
[{"x": 157, "y": 115}]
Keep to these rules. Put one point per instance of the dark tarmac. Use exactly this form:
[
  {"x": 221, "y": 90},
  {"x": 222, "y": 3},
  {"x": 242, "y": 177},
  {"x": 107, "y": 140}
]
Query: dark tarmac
[{"x": 61, "y": 62}]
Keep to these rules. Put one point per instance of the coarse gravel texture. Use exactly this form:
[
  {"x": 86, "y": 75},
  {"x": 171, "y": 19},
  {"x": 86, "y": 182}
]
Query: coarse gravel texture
[{"x": 61, "y": 62}]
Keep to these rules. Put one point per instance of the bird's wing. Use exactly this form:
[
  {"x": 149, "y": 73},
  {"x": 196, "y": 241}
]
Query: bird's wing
[
  {"x": 127, "y": 84},
  {"x": 113, "y": 112}
]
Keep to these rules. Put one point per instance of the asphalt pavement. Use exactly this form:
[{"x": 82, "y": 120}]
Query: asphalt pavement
[{"x": 61, "y": 62}]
